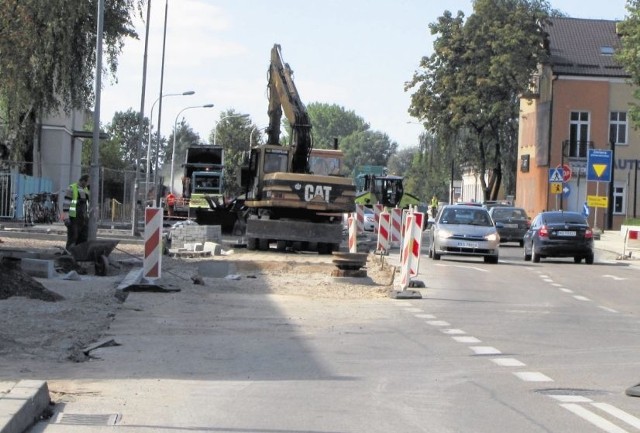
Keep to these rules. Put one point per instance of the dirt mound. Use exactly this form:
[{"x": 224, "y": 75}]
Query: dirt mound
[{"x": 14, "y": 282}]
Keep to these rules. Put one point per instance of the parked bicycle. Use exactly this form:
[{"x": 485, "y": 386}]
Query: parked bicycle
[{"x": 41, "y": 208}]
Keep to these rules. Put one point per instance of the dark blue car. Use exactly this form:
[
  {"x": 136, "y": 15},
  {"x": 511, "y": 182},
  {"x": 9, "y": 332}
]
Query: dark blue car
[{"x": 559, "y": 234}]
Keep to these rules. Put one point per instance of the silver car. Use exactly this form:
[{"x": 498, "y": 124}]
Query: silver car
[{"x": 464, "y": 231}]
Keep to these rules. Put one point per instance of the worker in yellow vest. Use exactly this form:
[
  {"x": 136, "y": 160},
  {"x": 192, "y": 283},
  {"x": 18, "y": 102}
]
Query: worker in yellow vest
[{"x": 75, "y": 211}]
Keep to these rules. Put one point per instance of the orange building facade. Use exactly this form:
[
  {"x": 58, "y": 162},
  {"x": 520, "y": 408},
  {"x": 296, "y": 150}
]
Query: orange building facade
[{"x": 579, "y": 102}]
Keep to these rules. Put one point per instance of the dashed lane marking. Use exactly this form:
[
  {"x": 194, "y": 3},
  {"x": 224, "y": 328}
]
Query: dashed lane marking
[
  {"x": 467, "y": 339},
  {"x": 508, "y": 362},
  {"x": 594, "y": 419},
  {"x": 566, "y": 290},
  {"x": 532, "y": 376},
  {"x": 581, "y": 298},
  {"x": 571, "y": 398},
  {"x": 453, "y": 331},
  {"x": 618, "y": 413},
  {"x": 485, "y": 350},
  {"x": 425, "y": 316},
  {"x": 615, "y": 278},
  {"x": 438, "y": 323},
  {"x": 610, "y": 310}
]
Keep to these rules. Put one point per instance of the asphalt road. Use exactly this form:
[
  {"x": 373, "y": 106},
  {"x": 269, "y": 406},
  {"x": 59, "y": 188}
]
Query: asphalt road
[{"x": 512, "y": 347}]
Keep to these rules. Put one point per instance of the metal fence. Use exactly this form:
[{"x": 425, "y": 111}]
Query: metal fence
[{"x": 115, "y": 196}]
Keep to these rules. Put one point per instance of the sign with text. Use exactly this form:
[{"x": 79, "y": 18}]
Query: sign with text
[
  {"x": 599, "y": 165},
  {"x": 597, "y": 201}
]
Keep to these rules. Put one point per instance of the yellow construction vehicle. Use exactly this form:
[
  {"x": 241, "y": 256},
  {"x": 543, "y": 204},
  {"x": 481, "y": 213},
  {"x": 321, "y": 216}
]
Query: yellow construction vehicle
[{"x": 287, "y": 204}]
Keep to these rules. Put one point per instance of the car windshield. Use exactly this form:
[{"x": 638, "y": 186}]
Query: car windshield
[
  {"x": 506, "y": 213},
  {"x": 476, "y": 217}
]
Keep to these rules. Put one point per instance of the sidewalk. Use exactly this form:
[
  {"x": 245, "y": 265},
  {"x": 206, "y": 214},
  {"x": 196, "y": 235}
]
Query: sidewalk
[{"x": 612, "y": 241}]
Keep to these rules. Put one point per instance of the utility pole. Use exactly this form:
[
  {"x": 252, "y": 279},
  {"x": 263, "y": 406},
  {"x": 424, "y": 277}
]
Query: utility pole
[{"x": 611, "y": 185}]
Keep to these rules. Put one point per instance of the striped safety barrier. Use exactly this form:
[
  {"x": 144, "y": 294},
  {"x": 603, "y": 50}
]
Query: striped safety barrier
[
  {"x": 384, "y": 233},
  {"x": 412, "y": 243},
  {"x": 152, "y": 263},
  {"x": 396, "y": 225},
  {"x": 360, "y": 217},
  {"x": 631, "y": 241},
  {"x": 377, "y": 210},
  {"x": 353, "y": 233}
]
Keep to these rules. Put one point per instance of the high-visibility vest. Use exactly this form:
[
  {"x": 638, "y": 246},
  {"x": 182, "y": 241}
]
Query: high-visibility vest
[{"x": 75, "y": 193}]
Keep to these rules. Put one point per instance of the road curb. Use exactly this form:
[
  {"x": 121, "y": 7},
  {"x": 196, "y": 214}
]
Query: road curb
[{"x": 23, "y": 405}]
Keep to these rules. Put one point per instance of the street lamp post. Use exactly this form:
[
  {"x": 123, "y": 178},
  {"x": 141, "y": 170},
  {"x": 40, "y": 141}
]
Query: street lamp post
[
  {"x": 215, "y": 130},
  {"x": 175, "y": 132},
  {"x": 187, "y": 93},
  {"x": 255, "y": 128}
]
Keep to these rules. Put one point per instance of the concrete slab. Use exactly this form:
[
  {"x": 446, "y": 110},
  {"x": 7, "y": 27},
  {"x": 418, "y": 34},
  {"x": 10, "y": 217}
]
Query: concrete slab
[
  {"x": 22, "y": 406},
  {"x": 38, "y": 268}
]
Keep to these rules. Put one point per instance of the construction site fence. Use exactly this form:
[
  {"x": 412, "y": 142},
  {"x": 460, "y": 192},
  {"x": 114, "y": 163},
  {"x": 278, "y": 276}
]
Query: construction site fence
[{"x": 116, "y": 192}]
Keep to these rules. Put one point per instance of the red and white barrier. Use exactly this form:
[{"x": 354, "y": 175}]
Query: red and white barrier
[
  {"x": 353, "y": 231},
  {"x": 631, "y": 240},
  {"x": 152, "y": 242},
  {"x": 360, "y": 217},
  {"x": 396, "y": 225},
  {"x": 384, "y": 233},
  {"x": 410, "y": 252},
  {"x": 377, "y": 210}
]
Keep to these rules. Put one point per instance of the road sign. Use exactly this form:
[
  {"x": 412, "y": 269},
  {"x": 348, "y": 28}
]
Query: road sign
[
  {"x": 555, "y": 174},
  {"x": 566, "y": 191},
  {"x": 556, "y": 187},
  {"x": 566, "y": 173},
  {"x": 599, "y": 165},
  {"x": 597, "y": 201}
]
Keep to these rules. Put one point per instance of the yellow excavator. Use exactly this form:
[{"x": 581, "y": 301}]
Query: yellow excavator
[{"x": 287, "y": 204}]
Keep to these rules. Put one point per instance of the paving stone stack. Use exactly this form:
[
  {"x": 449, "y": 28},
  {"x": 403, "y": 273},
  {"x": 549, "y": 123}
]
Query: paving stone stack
[{"x": 194, "y": 234}]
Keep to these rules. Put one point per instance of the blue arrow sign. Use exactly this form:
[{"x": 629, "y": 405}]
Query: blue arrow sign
[
  {"x": 599, "y": 165},
  {"x": 566, "y": 190}
]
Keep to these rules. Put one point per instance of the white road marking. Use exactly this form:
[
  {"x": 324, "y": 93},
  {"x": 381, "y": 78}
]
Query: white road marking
[
  {"x": 566, "y": 290},
  {"x": 594, "y": 419},
  {"x": 619, "y": 413},
  {"x": 614, "y": 277},
  {"x": 463, "y": 267},
  {"x": 556, "y": 284},
  {"x": 571, "y": 398},
  {"x": 532, "y": 376},
  {"x": 508, "y": 362},
  {"x": 485, "y": 350},
  {"x": 404, "y": 304},
  {"x": 425, "y": 316},
  {"x": 547, "y": 280},
  {"x": 610, "y": 310},
  {"x": 438, "y": 323},
  {"x": 544, "y": 276},
  {"x": 467, "y": 339},
  {"x": 414, "y": 310},
  {"x": 581, "y": 298},
  {"x": 451, "y": 331}
]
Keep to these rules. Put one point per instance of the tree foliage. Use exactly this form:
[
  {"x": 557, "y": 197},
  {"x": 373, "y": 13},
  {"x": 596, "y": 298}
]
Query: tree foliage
[
  {"x": 469, "y": 87},
  {"x": 629, "y": 53},
  {"x": 367, "y": 148},
  {"x": 332, "y": 121},
  {"x": 235, "y": 133},
  {"x": 48, "y": 56}
]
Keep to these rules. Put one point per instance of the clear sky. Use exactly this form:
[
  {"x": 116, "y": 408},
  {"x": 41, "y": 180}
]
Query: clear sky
[{"x": 354, "y": 53}]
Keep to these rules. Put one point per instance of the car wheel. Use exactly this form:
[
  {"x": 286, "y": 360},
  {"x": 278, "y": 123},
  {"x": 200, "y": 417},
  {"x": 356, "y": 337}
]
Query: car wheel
[
  {"x": 535, "y": 257},
  {"x": 577, "y": 259},
  {"x": 589, "y": 259},
  {"x": 491, "y": 259},
  {"x": 434, "y": 255},
  {"x": 521, "y": 243},
  {"x": 527, "y": 257},
  {"x": 252, "y": 244}
]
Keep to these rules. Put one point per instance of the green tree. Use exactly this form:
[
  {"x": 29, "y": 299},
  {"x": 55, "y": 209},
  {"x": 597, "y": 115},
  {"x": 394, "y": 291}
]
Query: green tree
[
  {"x": 332, "y": 121},
  {"x": 234, "y": 135},
  {"x": 629, "y": 53},
  {"x": 367, "y": 148},
  {"x": 469, "y": 87},
  {"x": 48, "y": 58}
]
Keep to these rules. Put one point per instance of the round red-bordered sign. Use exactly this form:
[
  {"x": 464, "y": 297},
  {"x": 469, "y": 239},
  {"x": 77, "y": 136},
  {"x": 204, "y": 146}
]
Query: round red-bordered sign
[{"x": 566, "y": 173}]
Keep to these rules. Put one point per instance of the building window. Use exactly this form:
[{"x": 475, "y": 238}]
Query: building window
[
  {"x": 578, "y": 134},
  {"x": 619, "y": 198},
  {"x": 618, "y": 127}
]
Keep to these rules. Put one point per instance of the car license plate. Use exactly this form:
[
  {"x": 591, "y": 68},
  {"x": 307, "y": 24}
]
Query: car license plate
[
  {"x": 566, "y": 233},
  {"x": 468, "y": 244},
  {"x": 511, "y": 226}
]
